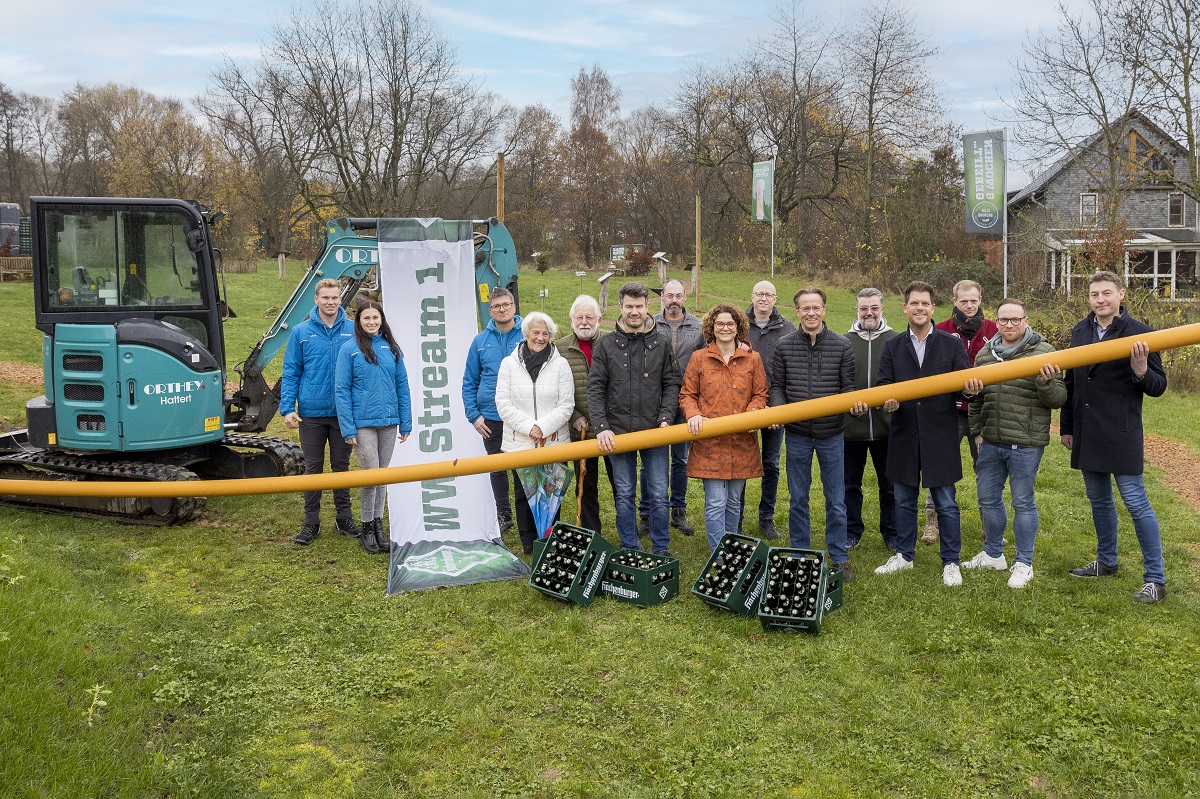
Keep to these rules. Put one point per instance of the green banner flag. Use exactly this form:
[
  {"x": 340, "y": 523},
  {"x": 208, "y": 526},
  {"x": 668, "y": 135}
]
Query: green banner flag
[
  {"x": 983, "y": 164},
  {"x": 762, "y": 184}
]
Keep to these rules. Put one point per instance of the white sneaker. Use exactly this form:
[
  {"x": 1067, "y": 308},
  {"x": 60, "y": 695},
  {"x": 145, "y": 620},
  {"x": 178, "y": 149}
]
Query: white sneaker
[
  {"x": 985, "y": 561},
  {"x": 951, "y": 576},
  {"x": 896, "y": 563},
  {"x": 1021, "y": 575}
]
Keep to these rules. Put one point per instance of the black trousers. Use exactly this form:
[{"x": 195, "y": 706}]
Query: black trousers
[
  {"x": 315, "y": 433},
  {"x": 504, "y": 509},
  {"x": 854, "y": 467},
  {"x": 589, "y": 503}
]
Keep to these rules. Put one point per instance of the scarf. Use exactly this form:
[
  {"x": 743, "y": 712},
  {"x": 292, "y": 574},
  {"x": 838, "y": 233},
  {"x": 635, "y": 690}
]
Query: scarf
[
  {"x": 534, "y": 361},
  {"x": 1003, "y": 351},
  {"x": 967, "y": 327}
]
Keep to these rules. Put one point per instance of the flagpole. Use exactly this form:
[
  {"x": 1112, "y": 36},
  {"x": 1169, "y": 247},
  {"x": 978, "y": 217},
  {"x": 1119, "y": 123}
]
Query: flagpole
[
  {"x": 773, "y": 157},
  {"x": 1004, "y": 205}
]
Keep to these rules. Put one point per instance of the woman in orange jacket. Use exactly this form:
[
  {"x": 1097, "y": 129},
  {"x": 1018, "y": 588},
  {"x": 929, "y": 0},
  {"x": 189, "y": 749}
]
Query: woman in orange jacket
[{"x": 723, "y": 379}]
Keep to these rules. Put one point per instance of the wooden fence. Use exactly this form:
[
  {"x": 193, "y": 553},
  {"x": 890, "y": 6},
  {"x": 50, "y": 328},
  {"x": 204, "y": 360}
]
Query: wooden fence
[{"x": 20, "y": 268}]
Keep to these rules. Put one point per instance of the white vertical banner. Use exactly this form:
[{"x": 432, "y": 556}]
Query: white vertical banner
[{"x": 429, "y": 298}]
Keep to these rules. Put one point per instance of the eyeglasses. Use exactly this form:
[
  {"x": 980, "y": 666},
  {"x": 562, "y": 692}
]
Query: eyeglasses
[
  {"x": 807, "y": 309},
  {"x": 1011, "y": 322},
  {"x": 501, "y": 306},
  {"x": 762, "y": 295},
  {"x": 724, "y": 324},
  {"x": 587, "y": 318}
]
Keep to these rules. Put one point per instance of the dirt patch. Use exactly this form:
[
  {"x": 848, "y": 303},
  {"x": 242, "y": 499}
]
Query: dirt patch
[{"x": 21, "y": 373}]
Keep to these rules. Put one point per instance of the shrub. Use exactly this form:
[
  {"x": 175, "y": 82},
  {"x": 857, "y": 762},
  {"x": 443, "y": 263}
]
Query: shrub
[
  {"x": 942, "y": 275},
  {"x": 639, "y": 263}
]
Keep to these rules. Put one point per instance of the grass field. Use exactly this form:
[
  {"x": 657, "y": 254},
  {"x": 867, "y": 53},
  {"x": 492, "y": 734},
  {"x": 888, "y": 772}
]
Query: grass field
[{"x": 232, "y": 663}]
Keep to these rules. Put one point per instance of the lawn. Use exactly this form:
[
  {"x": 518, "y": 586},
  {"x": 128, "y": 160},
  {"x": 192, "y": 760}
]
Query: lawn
[{"x": 232, "y": 663}]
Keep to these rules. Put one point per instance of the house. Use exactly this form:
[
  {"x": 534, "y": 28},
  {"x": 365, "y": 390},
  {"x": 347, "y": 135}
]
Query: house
[{"x": 1059, "y": 214}]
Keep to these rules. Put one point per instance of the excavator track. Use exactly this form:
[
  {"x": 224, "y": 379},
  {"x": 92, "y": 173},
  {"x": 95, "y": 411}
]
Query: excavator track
[
  {"x": 40, "y": 465},
  {"x": 286, "y": 453}
]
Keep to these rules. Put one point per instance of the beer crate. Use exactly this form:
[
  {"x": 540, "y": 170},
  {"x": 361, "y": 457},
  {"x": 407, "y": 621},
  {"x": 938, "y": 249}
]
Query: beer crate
[
  {"x": 733, "y": 577},
  {"x": 800, "y": 589},
  {"x": 640, "y": 578},
  {"x": 571, "y": 564}
]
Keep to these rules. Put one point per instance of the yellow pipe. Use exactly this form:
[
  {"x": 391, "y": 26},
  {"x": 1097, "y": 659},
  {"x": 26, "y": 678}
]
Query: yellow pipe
[{"x": 839, "y": 403}]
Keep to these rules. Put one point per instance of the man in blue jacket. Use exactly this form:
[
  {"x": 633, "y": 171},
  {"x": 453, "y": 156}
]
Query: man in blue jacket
[
  {"x": 306, "y": 400},
  {"x": 1101, "y": 424},
  {"x": 493, "y": 345}
]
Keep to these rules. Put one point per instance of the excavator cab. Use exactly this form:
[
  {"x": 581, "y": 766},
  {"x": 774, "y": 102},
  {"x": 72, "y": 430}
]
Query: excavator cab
[{"x": 127, "y": 302}]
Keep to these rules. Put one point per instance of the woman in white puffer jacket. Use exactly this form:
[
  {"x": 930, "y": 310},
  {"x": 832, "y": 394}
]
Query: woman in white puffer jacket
[{"x": 535, "y": 395}]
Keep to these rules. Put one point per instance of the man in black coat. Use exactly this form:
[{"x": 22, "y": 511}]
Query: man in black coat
[
  {"x": 923, "y": 442},
  {"x": 1102, "y": 426}
]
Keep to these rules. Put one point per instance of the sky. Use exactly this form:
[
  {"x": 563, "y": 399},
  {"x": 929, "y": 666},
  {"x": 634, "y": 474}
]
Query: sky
[{"x": 526, "y": 52}]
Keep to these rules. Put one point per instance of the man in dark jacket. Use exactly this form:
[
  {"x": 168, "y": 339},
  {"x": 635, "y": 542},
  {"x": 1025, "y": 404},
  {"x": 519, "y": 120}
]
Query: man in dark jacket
[
  {"x": 814, "y": 362},
  {"x": 686, "y": 337},
  {"x": 923, "y": 441},
  {"x": 1101, "y": 423},
  {"x": 493, "y": 344},
  {"x": 1010, "y": 423},
  {"x": 306, "y": 400},
  {"x": 868, "y": 434},
  {"x": 577, "y": 347},
  {"x": 767, "y": 327},
  {"x": 634, "y": 385}
]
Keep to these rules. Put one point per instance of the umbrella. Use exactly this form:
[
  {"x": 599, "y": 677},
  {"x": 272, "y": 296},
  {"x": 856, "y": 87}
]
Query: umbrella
[{"x": 545, "y": 487}]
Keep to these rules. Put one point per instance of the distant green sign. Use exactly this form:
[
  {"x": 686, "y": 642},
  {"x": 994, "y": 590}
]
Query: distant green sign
[
  {"x": 762, "y": 184},
  {"x": 983, "y": 162}
]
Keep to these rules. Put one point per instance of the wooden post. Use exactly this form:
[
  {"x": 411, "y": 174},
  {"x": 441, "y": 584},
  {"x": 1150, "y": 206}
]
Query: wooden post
[
  {"x": 283, "y": 264},
  {"x": 500, "y": 186},
  {"x": 696, "y": 268}
]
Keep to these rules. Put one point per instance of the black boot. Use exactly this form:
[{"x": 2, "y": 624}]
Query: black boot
[
  {"x": 367, "y": 538},
  {"x": 680, "y": 523},
  {"x": 383, "y": 537}
]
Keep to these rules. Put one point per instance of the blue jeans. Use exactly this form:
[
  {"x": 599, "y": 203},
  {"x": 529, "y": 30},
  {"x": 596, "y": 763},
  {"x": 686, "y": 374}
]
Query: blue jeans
[
  {"x": 679, "y": 478},
  {"x": 1019, "y": 465},
  {"x": 830, "y": 456},
  {"x": 1145, "y": 522},
  {"x": 722, "y": 508},
  {"x": 949, "y": 531},
  {"x": 625, "y": 482}
]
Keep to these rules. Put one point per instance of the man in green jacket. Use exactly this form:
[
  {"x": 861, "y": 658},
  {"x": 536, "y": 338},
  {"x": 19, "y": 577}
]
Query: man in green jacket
[{"x": 1010, "y": 422}]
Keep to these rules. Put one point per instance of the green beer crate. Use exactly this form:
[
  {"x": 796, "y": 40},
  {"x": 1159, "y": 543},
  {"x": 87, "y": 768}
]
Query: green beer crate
[
  {"x": 571, "y": 564},
  {"x": 640, "y": 578},
  {"x": 733, "y": 577},
  {"x": 801, "y": 588}
]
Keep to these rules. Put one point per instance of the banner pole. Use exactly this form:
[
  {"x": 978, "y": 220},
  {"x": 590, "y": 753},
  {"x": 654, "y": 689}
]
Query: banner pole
[{"x": 1004, "y": 205}]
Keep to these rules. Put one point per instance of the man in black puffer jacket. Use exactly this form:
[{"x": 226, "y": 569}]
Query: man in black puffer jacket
[
  {"x": 814, "y": 362},
  {"x": 634, "y": 385}
]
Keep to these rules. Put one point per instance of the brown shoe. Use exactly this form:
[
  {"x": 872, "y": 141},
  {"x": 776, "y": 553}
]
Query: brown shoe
[{"x": 930, "y": 536}]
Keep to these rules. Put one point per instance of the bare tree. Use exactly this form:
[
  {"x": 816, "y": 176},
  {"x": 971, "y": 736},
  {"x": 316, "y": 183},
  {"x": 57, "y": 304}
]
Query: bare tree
[
  {"x": 371, "y": 111},
  {"x": 590, "y": 184},
  {"x": 534, "y": 177},
  {"x": 886, "y": 64}
]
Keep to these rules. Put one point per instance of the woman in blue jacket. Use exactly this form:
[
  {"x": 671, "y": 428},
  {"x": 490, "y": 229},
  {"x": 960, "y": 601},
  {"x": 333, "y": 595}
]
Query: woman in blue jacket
[{"x": 373, "y": 405}]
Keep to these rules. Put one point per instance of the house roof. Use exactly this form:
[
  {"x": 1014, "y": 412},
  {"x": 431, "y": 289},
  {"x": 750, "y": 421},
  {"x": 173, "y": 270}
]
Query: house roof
[{"x": 1039, "y": 182}]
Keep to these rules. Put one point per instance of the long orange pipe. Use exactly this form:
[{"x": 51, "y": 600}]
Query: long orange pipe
[{"x": 839, "y": 403}]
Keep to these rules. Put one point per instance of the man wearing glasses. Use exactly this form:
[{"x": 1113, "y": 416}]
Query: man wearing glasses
[
  {"x": 1010, "y": 423},
  {"x": 814, "y": 362},
  {"x": 489, "y": 348},
  {"x": 767, "y": 327}
]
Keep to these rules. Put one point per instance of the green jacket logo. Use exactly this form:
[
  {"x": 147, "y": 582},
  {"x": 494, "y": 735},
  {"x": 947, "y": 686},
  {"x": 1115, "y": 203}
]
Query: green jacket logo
[{"x": 448, "y": 560}]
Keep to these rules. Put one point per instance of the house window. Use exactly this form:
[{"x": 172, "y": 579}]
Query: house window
[
  {"x": 1175, "y": 209},
  {"x": 1087, "y": 208}
]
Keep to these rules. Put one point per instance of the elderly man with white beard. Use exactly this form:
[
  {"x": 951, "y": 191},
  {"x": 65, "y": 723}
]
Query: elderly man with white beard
[{"x": 576, "y": 347}]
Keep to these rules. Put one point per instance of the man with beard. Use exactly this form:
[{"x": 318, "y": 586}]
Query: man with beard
[
  {"x": 634, "y": 385},
  {"x": 867, "y": 431},
  {"x": 686, "y": 337},
  {"x": 767, "y": 327},
  {"x": 923, "y": 445},
  {"x": 968, "y": 323},
  {"x": 1010, "y": 423},
  {"x": 1102, "y": 426},
  {"x": 577, "y": 348}
]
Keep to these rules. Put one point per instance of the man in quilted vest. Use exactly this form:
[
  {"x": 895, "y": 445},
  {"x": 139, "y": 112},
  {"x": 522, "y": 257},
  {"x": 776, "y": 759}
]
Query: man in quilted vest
[{"x": 1010, "y": 423}]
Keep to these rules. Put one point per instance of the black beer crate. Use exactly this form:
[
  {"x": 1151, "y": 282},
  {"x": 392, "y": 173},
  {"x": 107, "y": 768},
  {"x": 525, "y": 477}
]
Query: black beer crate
[
  {"x": 571, "y": 564},
  {"x": 800, "y": 589},
  {"x": 732, "y": 579},
  {"x": 641, "y": 578}
]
